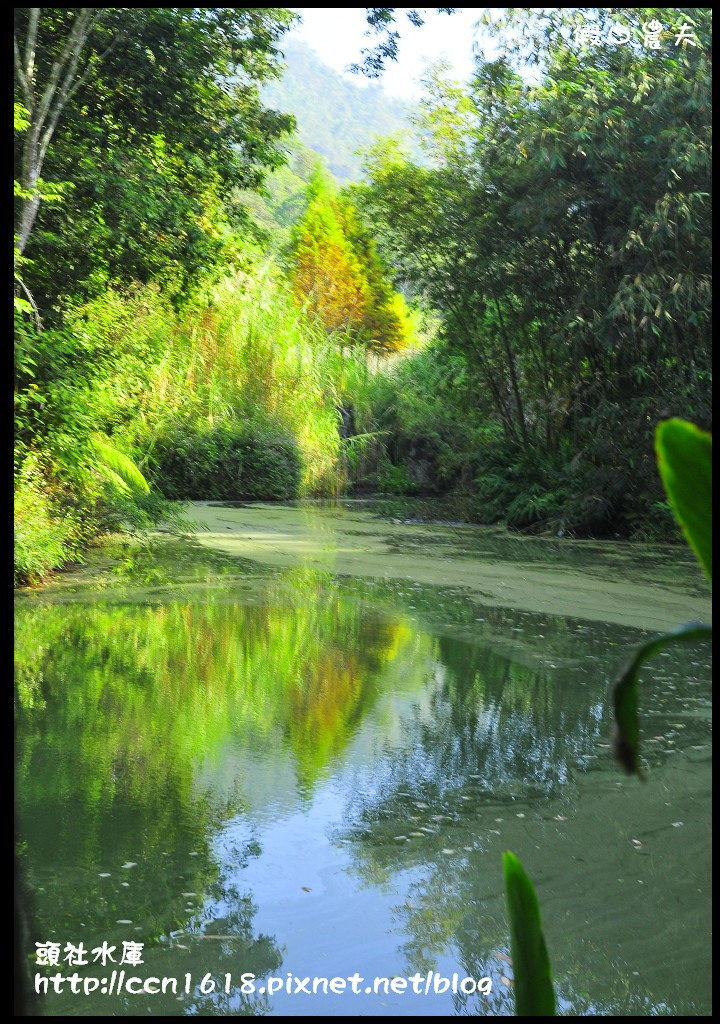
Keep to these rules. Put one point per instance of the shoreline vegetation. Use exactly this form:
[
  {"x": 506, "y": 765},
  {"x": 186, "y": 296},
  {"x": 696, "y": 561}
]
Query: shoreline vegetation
[{"x": 500, "y": 313}]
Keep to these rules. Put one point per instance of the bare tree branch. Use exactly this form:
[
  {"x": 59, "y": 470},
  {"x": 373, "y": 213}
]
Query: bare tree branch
[{"x": 31, "y": 300}]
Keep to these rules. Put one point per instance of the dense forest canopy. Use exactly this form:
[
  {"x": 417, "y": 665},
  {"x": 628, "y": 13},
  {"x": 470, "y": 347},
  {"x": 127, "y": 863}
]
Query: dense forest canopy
[
  {"x": 200, "y": 310},
  {"x": 564, "y": 232}
]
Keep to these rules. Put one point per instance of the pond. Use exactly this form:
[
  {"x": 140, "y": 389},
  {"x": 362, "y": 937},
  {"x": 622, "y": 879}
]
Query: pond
[{"x": 296, "y": 741}]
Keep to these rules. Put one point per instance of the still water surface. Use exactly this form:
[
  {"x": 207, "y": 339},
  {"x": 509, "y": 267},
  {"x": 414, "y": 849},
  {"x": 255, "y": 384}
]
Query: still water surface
[{"x": 299, "y": 742}]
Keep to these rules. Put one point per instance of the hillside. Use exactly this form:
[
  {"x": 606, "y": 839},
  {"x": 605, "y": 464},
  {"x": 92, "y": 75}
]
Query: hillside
[{"x": 335, "y": 117}]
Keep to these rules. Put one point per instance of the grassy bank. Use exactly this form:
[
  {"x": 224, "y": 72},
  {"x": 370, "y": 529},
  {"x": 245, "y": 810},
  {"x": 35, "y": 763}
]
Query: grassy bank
[
  {"x": 130, "y": 402},
  {"x": 242, "y": 395},
  {"x": 245, "y": 402}
]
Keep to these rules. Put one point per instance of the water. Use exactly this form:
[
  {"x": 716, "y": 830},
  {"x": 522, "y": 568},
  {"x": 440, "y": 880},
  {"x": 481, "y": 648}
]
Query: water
[{"x": 299, "y": 743}]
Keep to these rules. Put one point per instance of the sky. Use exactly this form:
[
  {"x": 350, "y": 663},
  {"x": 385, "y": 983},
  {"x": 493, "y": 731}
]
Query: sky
[{"x": 337, "y": 34}]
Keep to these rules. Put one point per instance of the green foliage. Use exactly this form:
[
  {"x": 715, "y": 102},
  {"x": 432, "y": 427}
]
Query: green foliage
[
  {"x": 338, "y": 275},
  {"x": 47, "y": 532},
  {"x": 238, "y": 396},
  {"x": 684, "y": 456},
  {"x": 391, "y": 479},
  {"x": 165, "y": 122},
  {"x": 533, "y": 988},
  {"x": 387, "y": 324},
  {"x": 20, "y": 118},
  {"x": 283, "y": 197},
  {"x": 432, "y": 437},
  {"x": 76, "y": 387},
  {"x": 77, "y": 384},
  {"x": 557, "y": 231},
  {"x": 543, "y": 489},
  {"x": 426, "y": 424},
  {"x": 326, "y": 273},
  {"x": 247, "y": 355},
  {"x": 626, "y": 728},
  {"x": 382, "y": 22},
  {"x": 541, "y": 234},
  {"x": 227, "y": 463},
  {"x": 120, "y": 471}
]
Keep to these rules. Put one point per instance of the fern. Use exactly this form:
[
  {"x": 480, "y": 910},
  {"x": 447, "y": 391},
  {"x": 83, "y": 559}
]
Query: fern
[{"x": 115, "y": 467}]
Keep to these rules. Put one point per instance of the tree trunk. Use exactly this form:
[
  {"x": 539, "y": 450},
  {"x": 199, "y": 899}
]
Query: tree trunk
[
  {"x": 29, "y": 176},
  {"x": 513, "y": 377},
  {"x": 46, "y": 105}
]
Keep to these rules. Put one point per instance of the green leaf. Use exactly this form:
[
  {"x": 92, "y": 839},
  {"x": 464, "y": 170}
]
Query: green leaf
[
  {"x": 534, "y": 993},
  {"x": 684, "y": 456},
  {"x": 116, "y": 467},
  {"x": 626, "y": 730}
]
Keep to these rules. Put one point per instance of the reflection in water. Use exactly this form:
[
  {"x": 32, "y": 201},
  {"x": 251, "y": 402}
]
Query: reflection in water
[{"x": 317, "y": 775}]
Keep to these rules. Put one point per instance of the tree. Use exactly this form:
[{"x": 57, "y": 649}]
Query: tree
[
  {"x": 326, "y": 274},
  {"x": 386, "y": 323},
  {"x": 381, "y": 22},
  {"x": 45, "y": 100},
  {"x": 151, "y": 116},
  {"x": 563, "y": 233},
  {"x": 338, "y": 274}
]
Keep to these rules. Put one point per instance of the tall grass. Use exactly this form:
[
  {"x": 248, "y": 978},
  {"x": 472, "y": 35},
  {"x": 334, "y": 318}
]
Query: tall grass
[
  {"x": 241, "y": 394},
  {"x": 245, "y": 365}
]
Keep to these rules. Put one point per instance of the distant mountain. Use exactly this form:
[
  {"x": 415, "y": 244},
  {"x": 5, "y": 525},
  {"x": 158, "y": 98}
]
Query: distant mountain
[{"x": 335, "y": 117}]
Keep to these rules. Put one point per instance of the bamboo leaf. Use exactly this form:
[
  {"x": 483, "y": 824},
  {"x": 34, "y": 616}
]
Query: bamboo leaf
[
  {"x": 684, "y": 454},
  {"x": 534, "y": 993},
  {"x": 626, "y": 729}
]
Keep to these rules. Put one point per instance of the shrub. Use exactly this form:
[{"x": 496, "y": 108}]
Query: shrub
[
  {"x": 390, "y": 479},
  {"x": 47, "y": 533},
  {"x": 226, "y": 462}
]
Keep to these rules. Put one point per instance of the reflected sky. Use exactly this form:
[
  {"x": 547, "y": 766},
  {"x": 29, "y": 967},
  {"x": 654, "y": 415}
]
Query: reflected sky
[{"x": 264, "y": 769}]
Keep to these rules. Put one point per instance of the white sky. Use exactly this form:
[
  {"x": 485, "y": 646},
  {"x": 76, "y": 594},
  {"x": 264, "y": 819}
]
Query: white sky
[{"x": 337, "y": 34}]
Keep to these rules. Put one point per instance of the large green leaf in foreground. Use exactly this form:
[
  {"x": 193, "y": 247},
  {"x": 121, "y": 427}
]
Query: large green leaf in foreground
[
  {"x": 626, "y": 729},
  {"x": 534, "y": 993},
  {"x": 684, "y": 456}
]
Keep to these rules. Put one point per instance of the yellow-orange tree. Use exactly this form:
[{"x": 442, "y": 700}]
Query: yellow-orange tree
[{"x": 339, "y": 277}]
